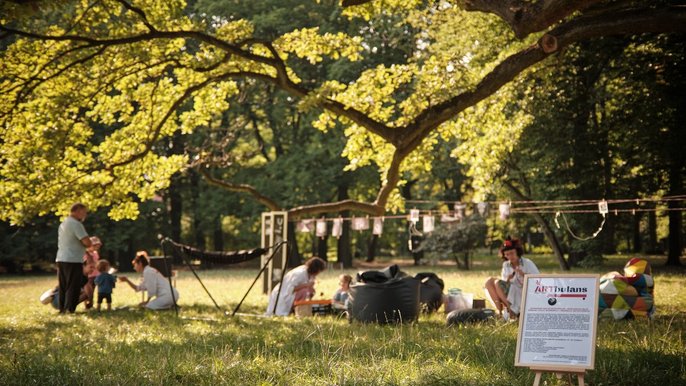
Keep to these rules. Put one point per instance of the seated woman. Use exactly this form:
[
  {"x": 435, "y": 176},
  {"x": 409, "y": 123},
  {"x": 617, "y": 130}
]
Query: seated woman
[
  {"x": 298, "y": 284},
  {"x": 506, "y": 292},
  {"x": 154, "y": 283}
]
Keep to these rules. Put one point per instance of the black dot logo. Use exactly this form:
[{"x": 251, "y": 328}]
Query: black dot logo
[{"x": 552, "y": 301}]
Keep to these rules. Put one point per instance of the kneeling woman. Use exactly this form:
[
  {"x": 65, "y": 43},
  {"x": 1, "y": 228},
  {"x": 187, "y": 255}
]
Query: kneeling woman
[
  {"x": 298, "y": 284},
  {"x": 154, "y": 283},
  {"x": 506, "y": 292}
]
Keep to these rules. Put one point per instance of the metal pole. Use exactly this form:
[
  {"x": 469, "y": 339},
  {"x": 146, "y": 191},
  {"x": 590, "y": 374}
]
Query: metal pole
[
  {"x": 283, "y": 274},
  {"x": 171, "y": 287},
  {"x": 266, "y": 264}
]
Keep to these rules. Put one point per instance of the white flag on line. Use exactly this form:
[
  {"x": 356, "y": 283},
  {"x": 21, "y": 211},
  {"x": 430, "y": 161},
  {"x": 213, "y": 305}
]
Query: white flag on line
[
  {"x": 337, "y": 230},
  {"x": 459, "y": 210},
  {"x": 360, "y": 224},
  {"x": 378, "y": 226},
  {"x": 482, "y": 207},
  {"x": 414, "y": 215},
  {"x": 504, "y": 209},
  {"x": 428, "y": 224},
  {"x": 305, "y": 226},
  {"x": 321, "y": 228}
]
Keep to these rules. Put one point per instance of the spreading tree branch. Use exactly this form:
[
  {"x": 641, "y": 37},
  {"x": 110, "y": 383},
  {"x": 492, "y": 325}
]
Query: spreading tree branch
[
  {"x": 659, "y": 20},
  {"x": 245, "y": 188},
  {"x": 339, "y": 206},
  {"x": 526, "y": 17},
  {"x": 529, "y": 17},
  {"x": 138, "y": 12}
]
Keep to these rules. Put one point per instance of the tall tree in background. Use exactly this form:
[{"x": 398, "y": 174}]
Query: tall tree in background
[{"x": 144, "y": 70}]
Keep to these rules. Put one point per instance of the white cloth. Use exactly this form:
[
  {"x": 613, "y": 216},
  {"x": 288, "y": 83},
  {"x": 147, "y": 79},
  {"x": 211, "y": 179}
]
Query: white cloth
[
  {"x": 69, "y": 236},
  {"x": 158, "y": 286},
  {"x": 514, "y": 296},
  {"x": 295, "y": 277}
]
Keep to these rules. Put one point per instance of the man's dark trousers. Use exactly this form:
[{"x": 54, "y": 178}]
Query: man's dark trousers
[{"x": 70, "y": 276}]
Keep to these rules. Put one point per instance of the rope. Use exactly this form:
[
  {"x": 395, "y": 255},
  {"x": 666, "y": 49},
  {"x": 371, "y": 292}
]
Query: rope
[{"x": 600, "y": 228}]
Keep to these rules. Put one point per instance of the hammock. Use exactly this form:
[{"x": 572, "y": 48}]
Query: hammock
[{"x": 181, "y": 251}]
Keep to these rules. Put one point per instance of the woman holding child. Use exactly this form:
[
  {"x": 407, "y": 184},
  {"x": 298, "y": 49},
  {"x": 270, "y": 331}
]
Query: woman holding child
[{"x": 506, "y": 292}]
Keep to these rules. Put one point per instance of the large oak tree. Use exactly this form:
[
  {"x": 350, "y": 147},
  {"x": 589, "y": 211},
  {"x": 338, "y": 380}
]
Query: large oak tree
[{"x": 88, "y": 91}]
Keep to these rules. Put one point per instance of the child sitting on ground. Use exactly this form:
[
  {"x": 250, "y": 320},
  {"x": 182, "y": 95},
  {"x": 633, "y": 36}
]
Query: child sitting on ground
[
  {"x": 340, "y": 298},
  {"x": 105, "y": 282}
]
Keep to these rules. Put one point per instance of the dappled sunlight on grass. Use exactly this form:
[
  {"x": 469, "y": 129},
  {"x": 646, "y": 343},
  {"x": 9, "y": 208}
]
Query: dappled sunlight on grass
[{"x": 203, "y": 346}]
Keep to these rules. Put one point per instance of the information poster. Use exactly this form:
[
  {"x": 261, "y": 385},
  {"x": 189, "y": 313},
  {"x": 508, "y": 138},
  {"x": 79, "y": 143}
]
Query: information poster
[{"x": 557, "y": 325}]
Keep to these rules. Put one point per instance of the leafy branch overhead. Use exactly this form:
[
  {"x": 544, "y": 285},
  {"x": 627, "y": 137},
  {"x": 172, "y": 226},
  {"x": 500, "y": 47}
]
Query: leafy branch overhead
[{"x": 88, "y": 93}]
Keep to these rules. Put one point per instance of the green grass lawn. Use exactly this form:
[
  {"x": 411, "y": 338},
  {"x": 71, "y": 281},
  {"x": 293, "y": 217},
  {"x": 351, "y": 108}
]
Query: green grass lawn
[{"x": 133, "y": 346}]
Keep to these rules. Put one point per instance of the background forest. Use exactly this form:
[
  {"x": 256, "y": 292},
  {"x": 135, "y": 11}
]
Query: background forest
[{"x": 601, "y": 119}]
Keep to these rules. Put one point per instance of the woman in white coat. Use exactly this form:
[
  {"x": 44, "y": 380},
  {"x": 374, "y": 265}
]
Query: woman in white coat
[
  {"x": 298, "y": 284},
  {"x": 158, "y": 287}
]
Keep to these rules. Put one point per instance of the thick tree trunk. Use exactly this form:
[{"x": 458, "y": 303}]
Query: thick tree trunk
[
  {"x": 322, "y": 248},
  {"x": 198, "y": 234},
  {"x": 218, "y": 235},
  {"x": 652, "y": 232},
  {"x": 552, "y": 241},
  {"x": 638, "y": 244},
  {"x": 175, "y": 209},
  {"x": 345, "y": 255},
  {"x": 371, "y": 250},
  {"x": 294, "y": 258},
  {"x": 674, "y": 241},
  {"x": 677, "y": 166},
  {"x": 547, "y": 229}
]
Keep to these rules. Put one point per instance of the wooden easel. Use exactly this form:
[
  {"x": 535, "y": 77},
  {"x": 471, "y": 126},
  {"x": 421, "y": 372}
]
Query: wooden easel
[{"x": 559, "y": 374}]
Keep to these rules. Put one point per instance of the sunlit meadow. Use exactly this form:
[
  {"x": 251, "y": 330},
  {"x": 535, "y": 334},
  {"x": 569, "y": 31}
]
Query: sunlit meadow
[{"x": 202, "y": 346}]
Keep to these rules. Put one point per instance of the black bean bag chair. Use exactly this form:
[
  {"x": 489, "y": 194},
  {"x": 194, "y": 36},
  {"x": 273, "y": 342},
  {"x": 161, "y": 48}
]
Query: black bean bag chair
[
  {"x": 382, "y": 276},
  {"x": 470, "y": 315},
  {"x": 393, "y": 301},
  {"x": 430, "y": 291}
]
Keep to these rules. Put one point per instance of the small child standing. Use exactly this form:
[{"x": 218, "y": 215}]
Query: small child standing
[
  {"x": 105, "y": 282},
  {"x": 340, "y": 298}
]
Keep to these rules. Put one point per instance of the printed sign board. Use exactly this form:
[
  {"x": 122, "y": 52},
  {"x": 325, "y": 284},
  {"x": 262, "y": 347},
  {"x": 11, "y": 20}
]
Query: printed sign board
[
  {"x": 557, "y": 324},
  {"x": 274, "y": 231}
]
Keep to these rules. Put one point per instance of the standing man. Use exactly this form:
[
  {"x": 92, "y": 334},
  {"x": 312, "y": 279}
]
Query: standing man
[{"x": 72, "y": 241}]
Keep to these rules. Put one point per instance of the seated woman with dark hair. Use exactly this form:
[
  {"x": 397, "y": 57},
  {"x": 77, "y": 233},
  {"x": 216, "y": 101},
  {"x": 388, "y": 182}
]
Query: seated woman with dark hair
[
  {"x": 506, "y": 292},
  {"x": 154, "y": 283},
  {"x": 298, "y": 284}
]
